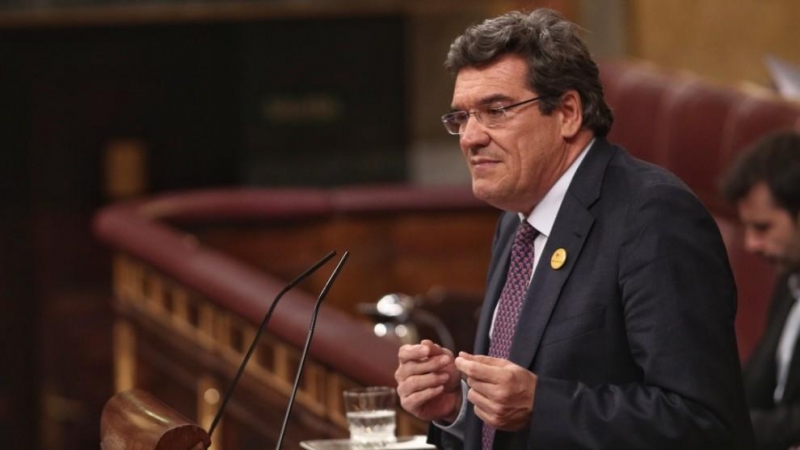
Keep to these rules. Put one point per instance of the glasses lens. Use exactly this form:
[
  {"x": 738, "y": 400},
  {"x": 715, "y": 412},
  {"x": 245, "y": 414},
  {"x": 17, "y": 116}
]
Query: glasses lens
[
  {"x": 451, "y": 123},
  {"x": 454, "y": 121}
]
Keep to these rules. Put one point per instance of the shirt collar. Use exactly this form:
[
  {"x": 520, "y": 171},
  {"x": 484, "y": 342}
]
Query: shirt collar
[{"x": 544, "y": 213}]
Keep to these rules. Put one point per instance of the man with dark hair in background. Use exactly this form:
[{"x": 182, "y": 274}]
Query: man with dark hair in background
[
  {"x": 764, "y": 184},
  {"x": 608, "y": 316}
]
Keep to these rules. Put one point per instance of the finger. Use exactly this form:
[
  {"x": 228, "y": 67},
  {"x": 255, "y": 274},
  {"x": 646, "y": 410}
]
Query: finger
[
  {"x": 481, "y": 372},
  {"x": 435, "y": 349},
  {"x": 442, "y": 363},
  {"x": 483, "y": 359},
  {"x": 424, "y": 349},
  {"x": 425, "y": 395},
  {"x": 496, "y": 413},
  {"x": 481, "y": 387},
  {"x": 411, "y": 352},
  {"x": 484, "y": 408},
  {"x": 478, "y": 398},
  {"x": 416, "y": 400},
  {"x": 417, "y": 383},
  {"x": 483, "y": 416}
]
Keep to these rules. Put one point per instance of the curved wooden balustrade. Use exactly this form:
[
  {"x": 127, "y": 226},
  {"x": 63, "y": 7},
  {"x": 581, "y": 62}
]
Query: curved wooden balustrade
[
  {"x": 191, "y": 310},
  {"x": 137, "y": 420}
]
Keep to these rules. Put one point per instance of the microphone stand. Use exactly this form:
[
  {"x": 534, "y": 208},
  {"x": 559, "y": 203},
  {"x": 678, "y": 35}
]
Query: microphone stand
[
  {"x": 261, "y": 328},
  {"x": 313, "y": 323}
]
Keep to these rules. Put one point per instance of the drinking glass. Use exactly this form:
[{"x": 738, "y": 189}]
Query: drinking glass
[{"x": 371, "y": 416}]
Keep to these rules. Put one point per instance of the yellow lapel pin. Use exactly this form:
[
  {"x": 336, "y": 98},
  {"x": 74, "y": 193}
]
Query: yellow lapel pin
[{"x": 558, "y": 259}]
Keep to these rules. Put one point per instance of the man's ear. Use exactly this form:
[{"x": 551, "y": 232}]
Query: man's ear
[{"x": 571, "y": 110}]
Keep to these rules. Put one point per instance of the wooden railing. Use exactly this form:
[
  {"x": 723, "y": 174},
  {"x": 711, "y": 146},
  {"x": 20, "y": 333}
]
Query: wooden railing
[{"x": 187, "y": 312}]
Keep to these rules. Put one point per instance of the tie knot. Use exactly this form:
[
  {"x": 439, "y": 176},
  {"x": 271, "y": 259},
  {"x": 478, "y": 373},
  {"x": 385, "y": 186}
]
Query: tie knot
[{"x": 526, "y": 232}]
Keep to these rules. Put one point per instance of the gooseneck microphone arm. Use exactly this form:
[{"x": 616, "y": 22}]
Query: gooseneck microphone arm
[
  {"x": 253, "y": 345},
  {"x": 311, "y": 326}
]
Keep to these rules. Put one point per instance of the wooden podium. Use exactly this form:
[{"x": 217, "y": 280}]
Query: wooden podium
[{"x": 135, "y": 420}]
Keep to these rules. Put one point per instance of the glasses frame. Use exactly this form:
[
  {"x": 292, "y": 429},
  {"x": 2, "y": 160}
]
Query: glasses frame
[{"x": 448, "y": 119}]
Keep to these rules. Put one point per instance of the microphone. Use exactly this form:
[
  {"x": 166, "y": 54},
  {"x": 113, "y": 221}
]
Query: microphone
[
  {"x": 252, "y": 348},
  {"x": 310, "y": 334}
]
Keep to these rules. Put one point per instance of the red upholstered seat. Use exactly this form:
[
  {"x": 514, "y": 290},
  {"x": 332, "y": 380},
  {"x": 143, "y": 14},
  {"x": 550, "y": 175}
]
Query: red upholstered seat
[
  {"x": 611, "y": 73},
  {"x": 696, "y": 115},
  {"x": 637, "y": 105},
  {"x": 754, "y": 117}
]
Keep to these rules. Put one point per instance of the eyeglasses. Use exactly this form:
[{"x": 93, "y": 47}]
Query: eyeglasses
[{"x": 455, "y": 121}]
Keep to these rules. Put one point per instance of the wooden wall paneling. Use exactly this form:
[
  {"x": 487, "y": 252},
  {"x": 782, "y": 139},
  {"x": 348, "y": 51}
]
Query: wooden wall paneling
[
  {"x": 721, "y": 39},
  {"x": 444, "y": 249}
]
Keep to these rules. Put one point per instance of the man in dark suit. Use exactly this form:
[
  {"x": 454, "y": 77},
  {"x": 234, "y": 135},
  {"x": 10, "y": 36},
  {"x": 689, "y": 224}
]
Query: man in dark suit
[
  {"x": 609, "y": 310},
  {"x": 764, "y": 183}
]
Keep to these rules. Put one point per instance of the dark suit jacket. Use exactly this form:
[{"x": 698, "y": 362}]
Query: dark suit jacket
[
  {"x": 632, "y": 339},
  {"x": 776, "y": 426}
]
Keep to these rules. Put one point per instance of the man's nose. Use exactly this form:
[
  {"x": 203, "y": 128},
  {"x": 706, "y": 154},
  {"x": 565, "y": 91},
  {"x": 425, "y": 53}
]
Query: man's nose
[
  {"x": 752, "y": 242},
  {"x": 473, "y": 134}
]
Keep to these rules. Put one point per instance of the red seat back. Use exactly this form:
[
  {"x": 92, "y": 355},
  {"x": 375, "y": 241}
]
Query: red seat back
[{"x": 696, "y": 115}]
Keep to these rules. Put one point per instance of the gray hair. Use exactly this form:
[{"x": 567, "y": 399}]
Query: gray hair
[{"x": 557, "y": 57}]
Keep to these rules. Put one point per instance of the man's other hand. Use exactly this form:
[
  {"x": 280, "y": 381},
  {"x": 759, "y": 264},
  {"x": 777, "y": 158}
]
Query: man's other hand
[
  {"x": 501, "y": 391},
  {"x": 428, "y": 382}
]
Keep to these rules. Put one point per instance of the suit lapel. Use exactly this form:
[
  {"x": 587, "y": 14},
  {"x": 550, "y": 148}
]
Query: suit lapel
[
  {"x": 570, "y": 230},
  {"x": 569, "y": 233}
]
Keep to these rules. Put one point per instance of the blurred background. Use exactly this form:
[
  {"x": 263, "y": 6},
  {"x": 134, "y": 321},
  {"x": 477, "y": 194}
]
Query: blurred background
[{"x": 107, "y": 100}]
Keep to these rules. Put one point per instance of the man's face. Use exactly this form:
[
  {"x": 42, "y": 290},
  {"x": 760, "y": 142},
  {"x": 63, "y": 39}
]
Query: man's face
[
  {"x": 515, "y": 164},
  {"x": 770, "y": 230}
]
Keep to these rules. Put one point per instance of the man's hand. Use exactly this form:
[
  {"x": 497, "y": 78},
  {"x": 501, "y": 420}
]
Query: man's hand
[
  {"x": 501, "y": 391},
  {"x": 428, "y": 382}
]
